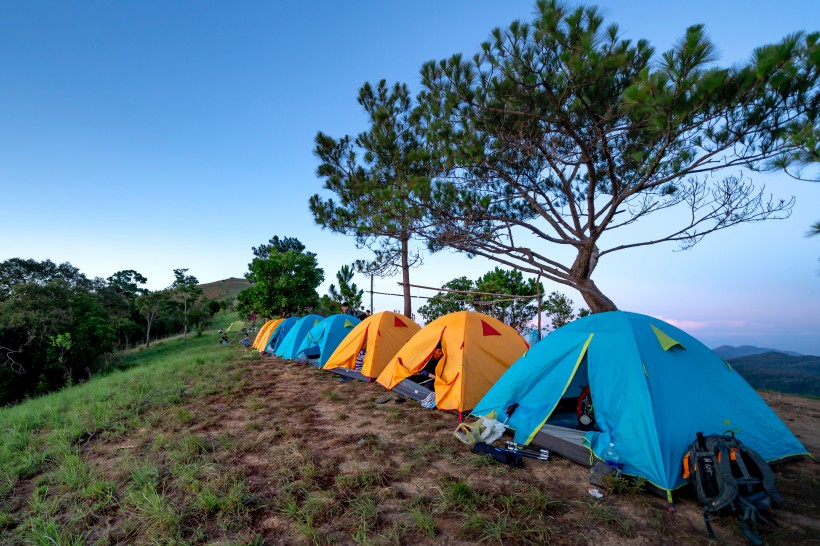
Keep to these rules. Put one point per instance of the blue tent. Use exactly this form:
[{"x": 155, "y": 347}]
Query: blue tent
[
  {"x": 293, "y": 339},
  {"x": 653, "y": 387},
  {"x": 278, "y": 334},
  {"x": 322, "y": 339}
]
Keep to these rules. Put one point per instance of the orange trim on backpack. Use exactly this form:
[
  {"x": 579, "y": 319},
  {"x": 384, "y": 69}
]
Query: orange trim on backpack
[{"x": 686, "y": 472}]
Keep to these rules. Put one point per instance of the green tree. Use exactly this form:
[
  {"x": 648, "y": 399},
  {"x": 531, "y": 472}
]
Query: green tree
[
  {"x": 30, "y": 315},
  {"x": 62, "y": 343},
  {"x": 348, "y": 291},
  {"x": 285, "y": 284},
  {"x": 280, "y": 245},
  {"x": 558, "y": 309},
  {"x": 445, "y": 303},
  {"x": 373, "y": 177},
  {"x": 185, "y": 289},
  {"x": 559, "y": 132},
  {"x": 800, "y": 135},
  {"x": 127, "y": 282},
  {"x": 514, "y": 311},
  {"x": 118, "y": 296},
  {"x": 327, "y": 306},
  {"x": 16, "y": 271},
  {"x": 149, "y": 306},
  {"x": 50, "y": 334},
  {"x": 92, "y": 336},
  {"x": 263, "y": 251}
]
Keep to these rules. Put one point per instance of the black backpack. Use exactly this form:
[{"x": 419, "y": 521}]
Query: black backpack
[{"x": 729, "y": 476}]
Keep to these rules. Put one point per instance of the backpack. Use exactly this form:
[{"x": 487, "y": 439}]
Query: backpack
[{"x": 728, "y": 476}]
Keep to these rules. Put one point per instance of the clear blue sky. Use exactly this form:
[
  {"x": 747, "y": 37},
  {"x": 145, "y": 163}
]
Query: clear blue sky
[{"x": 156, "y": 135}]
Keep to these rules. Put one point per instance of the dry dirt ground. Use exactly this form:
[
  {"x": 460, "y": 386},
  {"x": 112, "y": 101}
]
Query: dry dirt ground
[{"x": 326, "y": 464}]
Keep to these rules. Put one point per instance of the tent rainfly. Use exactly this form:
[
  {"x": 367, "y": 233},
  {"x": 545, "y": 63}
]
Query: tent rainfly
[
  {"x": 380, "y": 336},
  {"x": 653, "y": 387}
]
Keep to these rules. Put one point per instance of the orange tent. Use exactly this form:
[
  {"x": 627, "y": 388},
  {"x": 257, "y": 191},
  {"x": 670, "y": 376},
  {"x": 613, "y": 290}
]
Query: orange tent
[
  {"x": 264, "y": 333},
  {"x": 478, "y": 349},
  {"x": 381, "y": 335}
]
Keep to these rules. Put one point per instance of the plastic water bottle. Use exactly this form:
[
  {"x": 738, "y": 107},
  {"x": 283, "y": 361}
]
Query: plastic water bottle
[{"x": 613, "y": 458}]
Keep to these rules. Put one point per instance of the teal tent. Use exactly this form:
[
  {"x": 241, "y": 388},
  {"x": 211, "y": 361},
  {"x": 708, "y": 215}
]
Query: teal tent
[
  {"x": 293, "y": 340},
  {"x": 278, "y": 334},
  {"x": 653, "y": 387},
  {"x": 322, "y": 339}
]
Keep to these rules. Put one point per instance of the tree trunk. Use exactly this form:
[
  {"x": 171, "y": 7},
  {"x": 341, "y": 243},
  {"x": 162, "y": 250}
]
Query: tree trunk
[
  {"x": 581, "y": 272},
  {"x": 594, "y": 298},
  {"x": 405, "y": 276},
  {"x": 148, "y": 335}
]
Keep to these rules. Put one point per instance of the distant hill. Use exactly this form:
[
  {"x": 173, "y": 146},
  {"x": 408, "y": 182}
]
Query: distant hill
[
  {"x": 727, "y": 352},
  {"x": 780, "y": 372},
  {"x": 224, "y": 289}
]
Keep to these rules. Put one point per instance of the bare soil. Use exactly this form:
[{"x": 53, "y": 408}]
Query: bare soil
[{"x": 293, "y": 417}]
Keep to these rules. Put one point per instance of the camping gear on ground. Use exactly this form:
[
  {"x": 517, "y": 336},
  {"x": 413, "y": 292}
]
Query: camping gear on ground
[
  {"x": 477, "y": 350},
  {"x": 501, "y": 455},
  {"x": 586, "y": 414},
  {"x": 429, "y": 401},
  {"x": 652, "y": 386},
  {"x": 486, "y": 429},
  {"x": 235, "y": 326},
  {"x": 264, "y": 333},
  {"x": 380, "y": 336},
  {"x": 509, "y": 411},
  {"x": 728, "y": 476},
  {"x": 528, "y": 451},
  {"x": 293, "y": 340},
  {"x": 324, "y": 337},
  {"x": 601, "y": 474},
  {"x": 613, "y": 459},
  {"x": 279, "y": 334}
]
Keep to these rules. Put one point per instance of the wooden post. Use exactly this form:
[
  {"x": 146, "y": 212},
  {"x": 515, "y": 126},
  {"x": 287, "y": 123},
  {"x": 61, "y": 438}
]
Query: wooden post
[{"x": 540, "y": 299}]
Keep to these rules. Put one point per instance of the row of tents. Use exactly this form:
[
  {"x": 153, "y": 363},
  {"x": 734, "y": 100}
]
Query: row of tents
[{"x": 652, "y": 386}]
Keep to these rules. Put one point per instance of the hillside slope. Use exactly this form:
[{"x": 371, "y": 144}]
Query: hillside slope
[
  {"x": 224, "y": 289},
  {"x": 209, "y": 444},
  {"x": 781, "y": 372}
]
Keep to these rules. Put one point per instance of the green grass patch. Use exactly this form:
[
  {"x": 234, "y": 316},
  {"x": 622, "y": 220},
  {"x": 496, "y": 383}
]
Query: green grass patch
[{"x": 167, "y": 486}]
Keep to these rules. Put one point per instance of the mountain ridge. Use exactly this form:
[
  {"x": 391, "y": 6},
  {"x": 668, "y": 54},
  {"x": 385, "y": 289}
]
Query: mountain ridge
[{"x": 728, "y": 352}]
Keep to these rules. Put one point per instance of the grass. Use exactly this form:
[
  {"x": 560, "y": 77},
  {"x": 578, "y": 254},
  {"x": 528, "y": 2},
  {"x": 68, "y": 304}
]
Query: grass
[
  {"x": 158, "y": 488},
  {"x": 184, "y": 446}
]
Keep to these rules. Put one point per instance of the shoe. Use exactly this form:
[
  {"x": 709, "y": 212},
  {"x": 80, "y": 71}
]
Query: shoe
[{"x": 400, "y": 400}]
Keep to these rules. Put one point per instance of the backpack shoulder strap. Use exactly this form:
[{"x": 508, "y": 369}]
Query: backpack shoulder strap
[{"x": 728, "y": 489}]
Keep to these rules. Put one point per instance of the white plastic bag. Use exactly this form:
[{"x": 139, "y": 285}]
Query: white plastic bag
[
  {"x": 492, "y": 430},
  {"x": 486, "y": 429}
]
